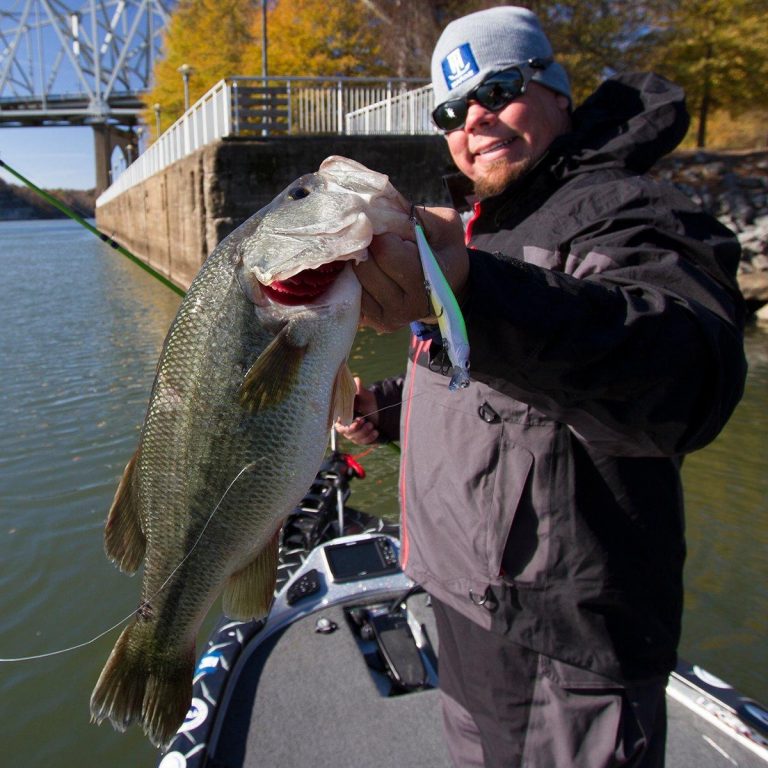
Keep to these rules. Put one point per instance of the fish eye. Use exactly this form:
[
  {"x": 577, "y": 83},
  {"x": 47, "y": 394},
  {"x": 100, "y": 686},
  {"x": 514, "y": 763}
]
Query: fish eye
[{"x": 297, "y": 193}]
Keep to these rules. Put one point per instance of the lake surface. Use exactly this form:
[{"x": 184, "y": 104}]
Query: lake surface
[{"x": 80, "y": 332}]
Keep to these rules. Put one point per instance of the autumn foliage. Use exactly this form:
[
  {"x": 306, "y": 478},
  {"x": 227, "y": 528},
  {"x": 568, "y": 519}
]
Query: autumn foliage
[{"x": 714, "y": 48}]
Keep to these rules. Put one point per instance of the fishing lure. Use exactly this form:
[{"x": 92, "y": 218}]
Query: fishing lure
[{"x": 446, "y": 309}]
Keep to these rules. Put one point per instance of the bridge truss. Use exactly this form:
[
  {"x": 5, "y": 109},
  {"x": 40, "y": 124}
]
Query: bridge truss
[
  {"x": 79, "y": 62},
  {"x": 65, "y": 61}
]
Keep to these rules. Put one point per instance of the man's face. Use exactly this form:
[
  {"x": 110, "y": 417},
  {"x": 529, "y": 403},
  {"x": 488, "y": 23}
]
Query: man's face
[{"x": 495, "y": 148}]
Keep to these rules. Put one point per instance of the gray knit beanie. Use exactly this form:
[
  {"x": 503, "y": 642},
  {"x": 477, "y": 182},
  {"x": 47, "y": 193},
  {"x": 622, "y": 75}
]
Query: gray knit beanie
[{"x": 486, "y": 42}]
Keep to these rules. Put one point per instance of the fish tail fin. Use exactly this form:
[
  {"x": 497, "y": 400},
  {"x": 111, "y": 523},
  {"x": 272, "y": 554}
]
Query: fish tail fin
[{"x": 139, "y": 684}]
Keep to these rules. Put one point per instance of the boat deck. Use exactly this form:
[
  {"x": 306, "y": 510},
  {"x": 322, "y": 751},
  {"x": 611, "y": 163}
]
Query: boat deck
[
  {"x": 342, "y": 718},
  {"x": 308, "y": 686}
]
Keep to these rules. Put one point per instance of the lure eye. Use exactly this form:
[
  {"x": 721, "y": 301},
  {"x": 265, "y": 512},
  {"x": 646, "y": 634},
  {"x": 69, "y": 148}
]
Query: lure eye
[{"x": 297, "y": 193}]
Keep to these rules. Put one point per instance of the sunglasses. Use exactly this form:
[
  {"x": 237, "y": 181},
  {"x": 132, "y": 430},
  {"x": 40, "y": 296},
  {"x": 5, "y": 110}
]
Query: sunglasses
[{"x": 494, "y": 93}]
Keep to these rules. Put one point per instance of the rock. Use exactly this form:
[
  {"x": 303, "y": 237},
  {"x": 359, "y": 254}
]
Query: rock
[
  {"x": 754, "y": 287},
  {"x": 733, "y": 187}
]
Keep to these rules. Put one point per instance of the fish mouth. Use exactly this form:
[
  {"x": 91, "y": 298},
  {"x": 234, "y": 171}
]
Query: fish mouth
[{"x": 304, "y": 286}]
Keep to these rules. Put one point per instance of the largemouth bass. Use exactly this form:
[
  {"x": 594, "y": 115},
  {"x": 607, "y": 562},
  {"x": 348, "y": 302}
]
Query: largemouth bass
[{"x": 252, "y": 375}]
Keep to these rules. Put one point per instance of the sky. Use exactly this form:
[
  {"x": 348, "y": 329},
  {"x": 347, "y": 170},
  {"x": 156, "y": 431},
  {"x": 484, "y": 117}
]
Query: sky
[
  {"x": 51, "y": 158},
  {"x": 57, "y": 157}
]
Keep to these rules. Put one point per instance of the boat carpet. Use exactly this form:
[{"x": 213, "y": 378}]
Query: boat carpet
[{"x": 340, "y": 719}]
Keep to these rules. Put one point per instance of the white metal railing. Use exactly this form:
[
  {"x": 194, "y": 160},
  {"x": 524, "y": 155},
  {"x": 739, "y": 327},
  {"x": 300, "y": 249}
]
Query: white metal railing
[
  {"x": 206, "y": 120},
  {"x": 407, "y": 112},
  {"x": 243, "y": 106}
]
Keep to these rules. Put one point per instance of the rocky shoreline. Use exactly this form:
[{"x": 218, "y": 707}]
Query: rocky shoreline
[
  {"x": 19, "y": 203},
  {"x": 733, "y": 186}
]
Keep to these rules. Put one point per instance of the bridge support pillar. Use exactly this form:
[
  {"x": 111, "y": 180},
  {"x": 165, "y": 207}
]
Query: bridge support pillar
[{"x": 105, "y": 139}]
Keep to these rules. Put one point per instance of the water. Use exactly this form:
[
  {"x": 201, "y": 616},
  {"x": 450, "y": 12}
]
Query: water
[{"x": 80, "y": 332}]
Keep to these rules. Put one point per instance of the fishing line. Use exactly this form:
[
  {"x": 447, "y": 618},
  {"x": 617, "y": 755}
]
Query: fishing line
[
  {"x": 387, "y": 407},
  {"x": 146, "y": 602},
  {"x": 65, "y": 209},
  {"x": 393, "y": 446}
]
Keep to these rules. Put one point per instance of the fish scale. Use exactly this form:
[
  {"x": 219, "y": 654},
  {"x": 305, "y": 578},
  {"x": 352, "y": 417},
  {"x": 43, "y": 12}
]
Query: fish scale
[{"x": 245, "y": 393}]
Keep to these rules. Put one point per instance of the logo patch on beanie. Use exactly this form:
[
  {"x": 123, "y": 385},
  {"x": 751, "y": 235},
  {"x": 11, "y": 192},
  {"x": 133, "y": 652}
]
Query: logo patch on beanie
[{"x": 459, "y": 65}]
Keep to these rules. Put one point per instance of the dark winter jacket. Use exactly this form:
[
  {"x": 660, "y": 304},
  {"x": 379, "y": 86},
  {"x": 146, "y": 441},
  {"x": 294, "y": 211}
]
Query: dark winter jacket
[{"x": 605, "y": 324}]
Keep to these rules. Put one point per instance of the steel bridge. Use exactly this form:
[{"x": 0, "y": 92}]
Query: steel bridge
[{"x": 80, "y": 62}]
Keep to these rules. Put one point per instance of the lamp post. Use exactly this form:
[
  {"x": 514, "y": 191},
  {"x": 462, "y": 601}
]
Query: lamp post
[
  {"x": 186, "y": 71},
  {"x": 156, "y": 107},
  {"x": 264, "y": 68}
]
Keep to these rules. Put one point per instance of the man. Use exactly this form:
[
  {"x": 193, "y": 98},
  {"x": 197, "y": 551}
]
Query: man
[{"x": 542, "y": 505}]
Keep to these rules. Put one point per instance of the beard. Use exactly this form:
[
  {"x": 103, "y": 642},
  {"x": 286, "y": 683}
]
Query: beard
[{"x": 499, "y": 175}]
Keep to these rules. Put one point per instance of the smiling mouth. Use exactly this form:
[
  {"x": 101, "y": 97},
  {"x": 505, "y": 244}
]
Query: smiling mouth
[
  {"x": 304, "y": 286},
  {"x": 495, "y": 147}
]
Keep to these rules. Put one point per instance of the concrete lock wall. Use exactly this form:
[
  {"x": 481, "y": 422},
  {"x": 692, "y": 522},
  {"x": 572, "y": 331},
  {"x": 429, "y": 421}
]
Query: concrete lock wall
[{"x": 175, "y": 218}]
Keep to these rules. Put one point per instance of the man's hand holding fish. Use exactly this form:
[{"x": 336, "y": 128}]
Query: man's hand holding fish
[{"x": 392, "y": 277}]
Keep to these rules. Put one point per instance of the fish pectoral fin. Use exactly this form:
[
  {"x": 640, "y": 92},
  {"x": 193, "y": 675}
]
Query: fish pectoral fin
[
  {"x": 124, "y": 541},
  {"x": 342, "y": 396},
  {"x": 248, "y": 593},
  {"x": 274, "y": 373}
]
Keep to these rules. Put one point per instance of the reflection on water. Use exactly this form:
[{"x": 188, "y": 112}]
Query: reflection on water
[
  {"x": 80, "y": 332},
  {"x": 376, "y": 357},
  {"x": 725, "y": 626}
]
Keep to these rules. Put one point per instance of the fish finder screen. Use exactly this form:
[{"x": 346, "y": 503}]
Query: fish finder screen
[{"x": 361, "y": 559}]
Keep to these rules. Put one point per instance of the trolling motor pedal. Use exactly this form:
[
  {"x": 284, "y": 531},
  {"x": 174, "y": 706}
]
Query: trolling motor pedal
[{"x": 398, "y": 649}]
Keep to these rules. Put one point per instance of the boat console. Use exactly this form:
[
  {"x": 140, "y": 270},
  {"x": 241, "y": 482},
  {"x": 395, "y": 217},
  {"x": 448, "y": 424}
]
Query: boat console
[{"x": 348, "y": 633}]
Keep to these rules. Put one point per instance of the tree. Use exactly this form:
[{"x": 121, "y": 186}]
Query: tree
[
  {"x": 411, "y": 27},
  {"x": 711, "y": 47},
  {"x": 315, "y": 37},
  {"x": 212, "y": 37},
  {"x": 714, "y": 50},
  {"x": 593, "y": 39}
]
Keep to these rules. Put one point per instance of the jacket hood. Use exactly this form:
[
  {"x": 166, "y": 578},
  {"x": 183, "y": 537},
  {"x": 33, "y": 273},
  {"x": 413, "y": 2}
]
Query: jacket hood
[{"x": 630, "y": 121}]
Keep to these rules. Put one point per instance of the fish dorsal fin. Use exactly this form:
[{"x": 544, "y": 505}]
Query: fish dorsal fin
[
  {"x": 342, "y": 396},
  {"x": 248, "y": 593},
  {"x": 124, "y": 541},
  {"x": 274, "y": 373}
]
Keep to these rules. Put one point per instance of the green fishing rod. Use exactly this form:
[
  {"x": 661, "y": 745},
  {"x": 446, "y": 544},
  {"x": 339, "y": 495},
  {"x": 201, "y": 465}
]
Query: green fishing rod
[{"x": 64, "y": 208}]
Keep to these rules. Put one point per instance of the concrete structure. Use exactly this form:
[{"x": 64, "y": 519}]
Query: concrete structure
[{"x": 175, "y": 218}]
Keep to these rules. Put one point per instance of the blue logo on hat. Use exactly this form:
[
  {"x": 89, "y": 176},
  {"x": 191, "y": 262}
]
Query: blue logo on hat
[{"x": 459, "y": 65}]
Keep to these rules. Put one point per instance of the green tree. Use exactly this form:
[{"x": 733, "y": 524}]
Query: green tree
[
  {"x": 715, "y": 50},
  {"x": 210, "y": 36}
]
